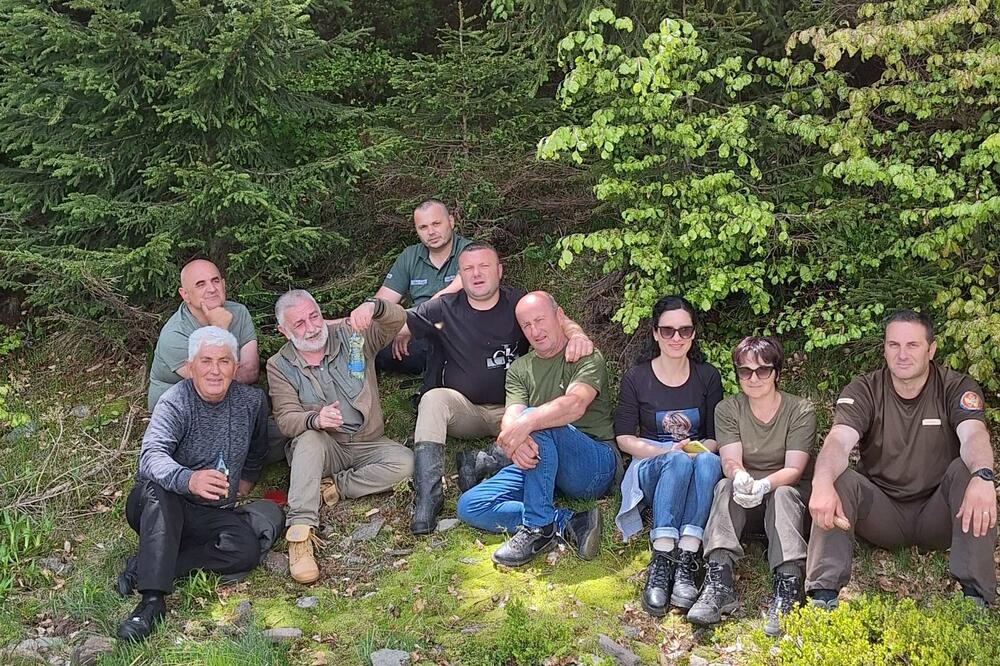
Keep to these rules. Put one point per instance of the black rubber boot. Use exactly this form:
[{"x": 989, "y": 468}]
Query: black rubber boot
[
  {"x": 428, "y": 467},
  {"x": 477, "y": 466},
  {"x": 717, "y": 598}
]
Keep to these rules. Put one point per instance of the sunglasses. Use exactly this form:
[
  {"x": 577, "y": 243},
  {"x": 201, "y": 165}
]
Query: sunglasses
[
  {"x": 762, "y": 371},
  {"x": 667, "y": 332}
]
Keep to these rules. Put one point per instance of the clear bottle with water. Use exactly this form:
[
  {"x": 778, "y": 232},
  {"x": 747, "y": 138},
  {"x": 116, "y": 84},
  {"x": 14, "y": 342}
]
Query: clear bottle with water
[
  {"x": 220, "y": 465},
  {"x": 356, "y": 360}
]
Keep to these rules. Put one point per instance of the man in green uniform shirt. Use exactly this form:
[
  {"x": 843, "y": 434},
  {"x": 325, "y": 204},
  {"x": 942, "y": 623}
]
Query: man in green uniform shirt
[
  {"x": 925, "y": 475},
  {"x": 557, "y": 430},
  {"x": 422, "y": 271},
  {"x": 203, "y": 292}
]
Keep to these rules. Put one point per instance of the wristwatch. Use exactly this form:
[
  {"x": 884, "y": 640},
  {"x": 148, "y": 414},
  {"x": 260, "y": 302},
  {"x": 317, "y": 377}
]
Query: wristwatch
[{"x": 986, "y": 474}]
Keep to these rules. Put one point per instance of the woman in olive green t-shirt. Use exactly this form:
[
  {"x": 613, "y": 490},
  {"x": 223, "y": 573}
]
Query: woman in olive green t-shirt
[{"x": 765, "y": 436}]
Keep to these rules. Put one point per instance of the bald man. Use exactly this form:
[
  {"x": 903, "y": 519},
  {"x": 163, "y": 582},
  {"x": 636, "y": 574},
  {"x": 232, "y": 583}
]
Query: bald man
[
  {"x": 203, "y": 295},
  {"x": 556, "y": 429}
]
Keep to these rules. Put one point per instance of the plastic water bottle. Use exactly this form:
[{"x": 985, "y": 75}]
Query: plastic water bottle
[
  {"x": 356, "y": 360},
  {"x": 220, "y": 465}
]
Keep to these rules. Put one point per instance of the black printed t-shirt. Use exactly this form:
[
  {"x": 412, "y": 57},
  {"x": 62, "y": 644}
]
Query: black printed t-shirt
[
  {"x": 907, "y": 444},
  {"x": 477, "y": 346},
  {"x": 664, "y": 413}
]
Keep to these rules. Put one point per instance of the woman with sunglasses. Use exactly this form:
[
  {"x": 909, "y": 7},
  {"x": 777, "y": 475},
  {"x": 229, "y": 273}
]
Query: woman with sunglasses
[
  {"x": 765, "y": 436},
  {"x": 665, "y": 404}
]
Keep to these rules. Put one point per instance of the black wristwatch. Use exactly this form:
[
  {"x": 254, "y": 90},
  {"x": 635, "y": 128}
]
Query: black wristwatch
[{"x": 986, "y": 474}]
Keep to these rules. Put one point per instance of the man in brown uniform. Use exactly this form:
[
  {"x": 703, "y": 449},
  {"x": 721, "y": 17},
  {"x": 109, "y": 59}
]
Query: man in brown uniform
[
  {"x": 925, "y": 476},
  {"x": 332, "y": 412}
]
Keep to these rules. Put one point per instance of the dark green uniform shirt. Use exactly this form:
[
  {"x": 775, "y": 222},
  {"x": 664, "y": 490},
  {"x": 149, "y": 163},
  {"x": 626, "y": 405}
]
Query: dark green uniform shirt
[{"x": 416, "y": 278}]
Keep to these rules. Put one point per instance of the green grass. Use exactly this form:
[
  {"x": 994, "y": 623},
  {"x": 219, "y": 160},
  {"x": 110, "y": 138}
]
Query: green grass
[{"x": 439, "y": 597}]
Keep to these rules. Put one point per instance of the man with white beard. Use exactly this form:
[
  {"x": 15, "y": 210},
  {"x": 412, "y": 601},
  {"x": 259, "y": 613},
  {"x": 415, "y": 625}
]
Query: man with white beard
[{"x": 332, "y": 413}]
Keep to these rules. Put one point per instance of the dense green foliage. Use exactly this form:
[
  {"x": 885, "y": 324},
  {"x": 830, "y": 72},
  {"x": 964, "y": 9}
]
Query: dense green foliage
[{"x": 792, "y": 168}]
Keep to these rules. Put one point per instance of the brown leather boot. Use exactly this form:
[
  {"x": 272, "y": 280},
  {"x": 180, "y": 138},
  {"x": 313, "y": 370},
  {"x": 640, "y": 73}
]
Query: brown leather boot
[
  {"x": 301, "y": 563},
  {"x": 328, "y": 491}
]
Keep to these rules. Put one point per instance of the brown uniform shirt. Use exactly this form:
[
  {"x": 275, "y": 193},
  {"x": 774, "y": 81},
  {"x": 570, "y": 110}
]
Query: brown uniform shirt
[
  {"x": 793, "y": 428},
  {"x": 906, "y": 445}
]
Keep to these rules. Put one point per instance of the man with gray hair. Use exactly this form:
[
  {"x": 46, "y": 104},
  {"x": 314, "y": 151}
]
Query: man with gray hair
[
  {"x": 204, "y": 448},
  {"x": 325, "y": 397}
]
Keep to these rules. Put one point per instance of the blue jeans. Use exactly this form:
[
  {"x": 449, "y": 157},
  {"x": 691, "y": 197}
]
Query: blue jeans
[
  {"x": 568, "y": 461},
  {"x": 680, "y": 490}
]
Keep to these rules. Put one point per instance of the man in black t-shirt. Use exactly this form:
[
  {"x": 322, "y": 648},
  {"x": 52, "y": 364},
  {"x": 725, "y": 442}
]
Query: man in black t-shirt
[{"x": 478, "y": 337}]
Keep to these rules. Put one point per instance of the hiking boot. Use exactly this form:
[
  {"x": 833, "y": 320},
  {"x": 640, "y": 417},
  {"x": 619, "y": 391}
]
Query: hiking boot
[
  {"x": 476, "y": 466},
  {"x": 717, "y": 598},
  {"x": 787, "y": 593},
  {"x": 143, "y": 619},
  {"x": 973, "y": 595},
  {"x": 824, "y": 599},
  {"x": 428, "y": 497},
  {"x": 301, "y": 562},
  {"x": 125, "y": 585},
  {"x": 328, "y": 491},
  {"x": 526, "y": 543},
  {"x": 685, "y": 590},
  {"x": 659, "y": 577},
  {"x": 583, "y": 532}
]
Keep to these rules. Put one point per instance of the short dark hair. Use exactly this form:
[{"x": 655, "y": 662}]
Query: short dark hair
[
  {"x": 429, "y": 203},
  {"x": 475, "y": 246},
  {"x": 911, "y": 317},
  {"x": 767, "y": 349},
  {"x": 666, "y": 304}
]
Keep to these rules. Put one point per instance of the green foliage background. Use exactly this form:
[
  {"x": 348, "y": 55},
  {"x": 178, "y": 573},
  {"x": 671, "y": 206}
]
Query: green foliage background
[{"x": 793, "y": 168}]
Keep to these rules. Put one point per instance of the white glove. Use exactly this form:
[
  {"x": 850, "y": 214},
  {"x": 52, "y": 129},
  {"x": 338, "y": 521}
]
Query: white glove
[
  {"x": 742, "y": 482},
  {"x": 755, "y": 496}
]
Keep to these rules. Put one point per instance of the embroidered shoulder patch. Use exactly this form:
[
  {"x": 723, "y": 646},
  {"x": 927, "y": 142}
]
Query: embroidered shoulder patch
[
  {"x": 971, "y": 401},
  {"x": 845, "y": 401}
]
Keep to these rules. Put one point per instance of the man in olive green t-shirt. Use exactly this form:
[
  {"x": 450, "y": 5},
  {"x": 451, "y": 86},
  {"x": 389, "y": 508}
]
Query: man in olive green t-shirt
[
  {"x": 203, "y": 294},
  {"x": 422, "y": 271},
  {"x": 925, "y": 474},
  {"x": 557, "y": 430}
]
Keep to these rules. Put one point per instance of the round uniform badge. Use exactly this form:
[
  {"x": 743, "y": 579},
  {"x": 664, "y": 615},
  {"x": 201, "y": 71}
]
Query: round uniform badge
[{"x": 971, "y": 401}]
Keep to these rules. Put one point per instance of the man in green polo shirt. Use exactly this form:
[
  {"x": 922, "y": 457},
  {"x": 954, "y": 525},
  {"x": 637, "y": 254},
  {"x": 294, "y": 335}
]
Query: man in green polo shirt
[
  {"x": 203, "y": 294},
  {"x": 421, "y": 272}
]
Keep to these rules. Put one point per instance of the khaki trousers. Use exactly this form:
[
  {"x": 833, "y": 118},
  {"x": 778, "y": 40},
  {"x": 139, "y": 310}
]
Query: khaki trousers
[
  {"x": 358, "y": 469},
  {"x": 445, "y": 411},
  {"x": 783, "y": 511},
  {"x": 887, "y": 523}
]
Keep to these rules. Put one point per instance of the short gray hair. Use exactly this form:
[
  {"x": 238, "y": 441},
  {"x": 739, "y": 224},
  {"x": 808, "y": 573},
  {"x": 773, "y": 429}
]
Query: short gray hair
[
  {"x": 290, "y": 298},
  {"x": 212, "y": 336}
]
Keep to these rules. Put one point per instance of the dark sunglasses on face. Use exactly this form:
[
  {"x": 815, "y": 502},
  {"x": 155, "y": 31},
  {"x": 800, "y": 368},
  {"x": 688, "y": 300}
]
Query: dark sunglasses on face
[
  {"x": 667, "y": 332},
  {"x": 762, "y": 371}
]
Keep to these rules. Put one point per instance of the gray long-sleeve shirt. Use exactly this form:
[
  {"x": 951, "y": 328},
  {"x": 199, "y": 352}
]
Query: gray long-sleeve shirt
[{"x": 187, "y": 434}]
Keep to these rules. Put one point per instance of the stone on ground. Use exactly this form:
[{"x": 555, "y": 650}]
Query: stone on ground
[
  {"x": 621, "y": 655},
  {"x": 368, "y": 530},
  {"x": 390, "y": 658},
  {"x": 89, "y": 651},
  {"x": 283, "y": 634}
]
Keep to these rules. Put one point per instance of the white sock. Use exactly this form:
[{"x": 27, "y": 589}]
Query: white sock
[
  {"x": 663, "y": 544},
  {"x": 690, "y": 544}
]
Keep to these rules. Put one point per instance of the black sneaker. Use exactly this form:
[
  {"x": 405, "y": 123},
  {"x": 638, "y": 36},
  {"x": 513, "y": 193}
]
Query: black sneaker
[
  {"x": 659, "y": 577},
  {"x": 125, "y": 585},
  {"x": 141, "y": 622},
  {"x": 526, "y": 543},
  {"x": 583, "y": 532},
  {"x": 685, "y": 590},
  {"x": 786, "y": 594},
  {"x": 717, "y": 598},
  {"x": 824, "y": 599},
  {"x": 972, "y": 595}
]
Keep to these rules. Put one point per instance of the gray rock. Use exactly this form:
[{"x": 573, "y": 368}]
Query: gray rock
[
  {"x": 89, "y": 651},
  {"x": 80, "y": 411},
  {"x": 276, "y": 564},
  {"x": 619, "y": 654},
  {"x": 306, "y": 602},
  {"x": 55, "y": 564},
  {"x": 630, "y": 631},
  {"x": 390, "y": 658},
  {"x": 20, "y": 432},
  {"x": 243, "y": 614},
  {"x": 353, "y": 560},
  {"x": 38, "y": 649},
  {"x": 446, "y": 524},
  {"x": 697, "y": 660},
  {"x": 367, "y": 531},
  {"x": 283, "y": 634}
]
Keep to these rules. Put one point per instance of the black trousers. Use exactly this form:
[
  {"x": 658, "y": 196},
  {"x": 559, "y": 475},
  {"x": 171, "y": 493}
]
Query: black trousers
[
  {"x": 177, "y": 536},
  {"x": 424, "y": 359}
]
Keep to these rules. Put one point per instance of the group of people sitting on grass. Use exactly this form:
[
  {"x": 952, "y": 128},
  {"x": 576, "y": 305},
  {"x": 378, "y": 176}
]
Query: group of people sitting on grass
[{"x": 503, "y": 364}]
